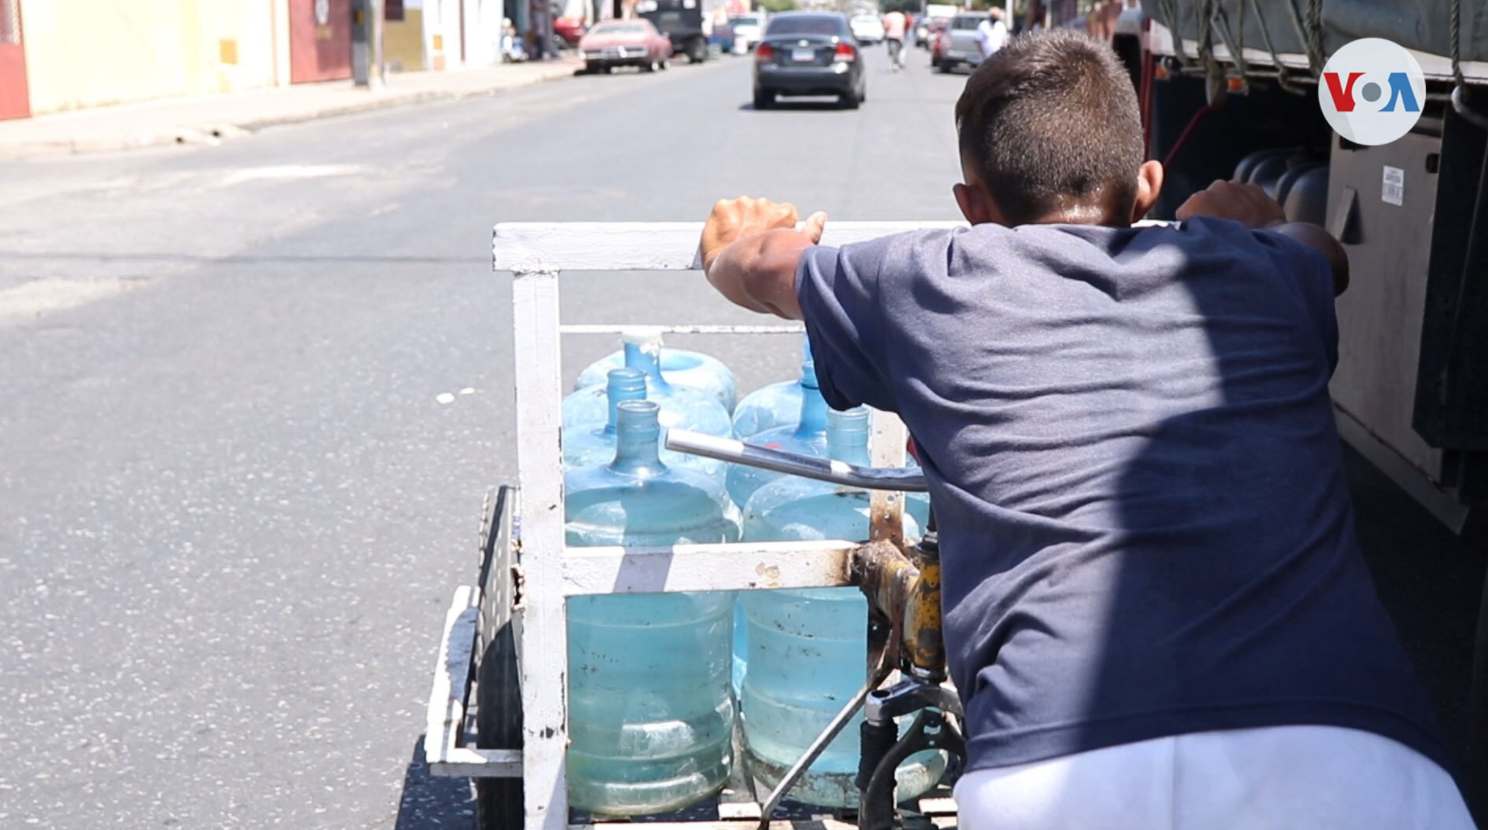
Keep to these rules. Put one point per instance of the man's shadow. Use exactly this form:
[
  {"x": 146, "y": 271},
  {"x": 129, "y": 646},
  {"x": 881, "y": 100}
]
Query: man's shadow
[{"x": 430, "y": 803}]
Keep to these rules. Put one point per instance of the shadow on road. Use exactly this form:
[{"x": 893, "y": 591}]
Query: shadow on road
[{"x": 430, "y": 803}]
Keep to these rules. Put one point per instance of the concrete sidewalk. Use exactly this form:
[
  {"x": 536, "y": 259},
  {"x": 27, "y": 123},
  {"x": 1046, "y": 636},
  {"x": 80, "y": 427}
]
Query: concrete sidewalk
[{"x": 214, "y": 118}]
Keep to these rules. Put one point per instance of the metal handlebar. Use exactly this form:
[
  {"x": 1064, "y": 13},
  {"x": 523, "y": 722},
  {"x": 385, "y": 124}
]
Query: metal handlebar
[{"x": 905, "y": 480}]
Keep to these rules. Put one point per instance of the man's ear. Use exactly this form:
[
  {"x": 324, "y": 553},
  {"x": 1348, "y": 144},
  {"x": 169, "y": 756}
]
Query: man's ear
[
  {"x": 975, "y": 204},
  {"x": 1149, "y": 187}
]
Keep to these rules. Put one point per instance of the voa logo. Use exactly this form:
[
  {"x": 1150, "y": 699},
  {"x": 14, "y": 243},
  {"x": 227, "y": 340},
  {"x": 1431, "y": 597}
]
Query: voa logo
[{"x": 1372, "y": 91}]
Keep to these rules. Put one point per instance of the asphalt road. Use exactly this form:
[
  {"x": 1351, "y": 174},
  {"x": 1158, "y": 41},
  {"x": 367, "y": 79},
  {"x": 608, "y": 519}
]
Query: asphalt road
[{"x": 232, "y": 506}]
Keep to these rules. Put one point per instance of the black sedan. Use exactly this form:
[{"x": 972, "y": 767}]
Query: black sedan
[{"x": 808, "y": 53}]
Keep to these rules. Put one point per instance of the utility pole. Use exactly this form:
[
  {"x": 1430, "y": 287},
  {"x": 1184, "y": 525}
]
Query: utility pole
[{"x": 366, "y": 43}]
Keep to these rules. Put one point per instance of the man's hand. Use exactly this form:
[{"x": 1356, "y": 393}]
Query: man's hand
[
  {"x": 1247, "y": 204},
  {"x": 750, "y": 249}
]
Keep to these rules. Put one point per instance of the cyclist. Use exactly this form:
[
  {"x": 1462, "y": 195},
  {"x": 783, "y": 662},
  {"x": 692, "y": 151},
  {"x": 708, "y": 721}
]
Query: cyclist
[{"x": 895, "y": 25}]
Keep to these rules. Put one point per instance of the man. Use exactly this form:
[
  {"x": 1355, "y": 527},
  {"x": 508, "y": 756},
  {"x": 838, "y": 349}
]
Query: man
[
  {"x": 1156, "y": 613},
  {"x": 895, "y": 26},
  {"x": 992, "y": 33}
]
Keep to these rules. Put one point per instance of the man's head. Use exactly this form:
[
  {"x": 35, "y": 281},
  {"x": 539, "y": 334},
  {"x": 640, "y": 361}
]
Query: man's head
[
  {"x": 995, "y": 13},
  {"x": 1050, "y": 132}
]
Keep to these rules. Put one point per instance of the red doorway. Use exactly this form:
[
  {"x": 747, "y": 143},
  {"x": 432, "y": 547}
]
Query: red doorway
[
  {"x": 15, "y": 102},
  {"x": 319, "y": 40}
]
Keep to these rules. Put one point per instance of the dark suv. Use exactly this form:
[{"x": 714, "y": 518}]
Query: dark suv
[
  {"x": 808, "y": 53},
  {"x": 682, "y": 22}
]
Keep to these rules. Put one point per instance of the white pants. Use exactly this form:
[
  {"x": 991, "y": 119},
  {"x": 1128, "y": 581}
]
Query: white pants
[{"x": 1292, "y": 777}]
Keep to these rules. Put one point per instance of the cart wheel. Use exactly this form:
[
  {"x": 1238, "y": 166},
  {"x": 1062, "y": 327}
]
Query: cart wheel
[{"x": 498, "y": 804}]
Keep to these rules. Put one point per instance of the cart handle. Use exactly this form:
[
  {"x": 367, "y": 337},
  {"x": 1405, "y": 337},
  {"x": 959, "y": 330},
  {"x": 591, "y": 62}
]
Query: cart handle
[{"x": 822, "y": 469}]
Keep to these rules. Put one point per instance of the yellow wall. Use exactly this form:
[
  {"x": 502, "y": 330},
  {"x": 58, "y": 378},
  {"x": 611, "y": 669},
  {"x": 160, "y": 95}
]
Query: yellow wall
[
  {"x": 82, "y": 53},
  {"x": 403, "y": 42}
]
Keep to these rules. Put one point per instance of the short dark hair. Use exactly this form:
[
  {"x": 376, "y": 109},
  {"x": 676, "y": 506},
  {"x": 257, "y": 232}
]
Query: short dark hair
[{"x": 1048, "y": 117}]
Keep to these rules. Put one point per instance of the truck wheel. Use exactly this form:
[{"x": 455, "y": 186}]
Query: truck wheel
[
  {"x": 498, "y": 801},
  {"x": 697, "y": 50}
]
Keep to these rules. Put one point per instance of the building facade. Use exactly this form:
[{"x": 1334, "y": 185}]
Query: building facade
[{"x": 61, "y": 55}]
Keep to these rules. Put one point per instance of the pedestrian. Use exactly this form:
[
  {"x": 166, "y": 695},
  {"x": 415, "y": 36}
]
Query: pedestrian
[
  {"x": 991, "y": 33},
  {"x": 1156, "y": 613},
  {"x": 894, "y": 28}
]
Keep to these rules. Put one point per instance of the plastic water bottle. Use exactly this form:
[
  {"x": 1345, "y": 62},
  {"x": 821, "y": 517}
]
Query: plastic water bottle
[
  {"x": 680, "y": 407},
  {"x": 591, "y": 444},
  {"x": 806, "y": 434},
  {"x": 689, "y": 370},
  {"x": 650, "y": 715},
  {"x": 808, "y": 647},
  {"x": 776, "y": 405}
]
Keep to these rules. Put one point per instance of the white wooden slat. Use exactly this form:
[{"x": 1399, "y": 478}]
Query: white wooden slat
[
  {"x": 467, "y": 762},
  {"x": 886, "y": 446},
  {"x": 640, "y": 246},
  {"x": 544, "y": 646},
  {"x": 732, "y": 567},
  {"x": 446, "y": 714}
]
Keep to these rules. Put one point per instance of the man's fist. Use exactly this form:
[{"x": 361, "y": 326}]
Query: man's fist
[
  {"x": 733, "y": 219},
  {"x": 1247, "y": 204}
]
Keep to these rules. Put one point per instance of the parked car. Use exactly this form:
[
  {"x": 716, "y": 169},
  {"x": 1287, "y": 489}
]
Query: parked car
[
  {"x": 808, "y": 53},
  {"x": 867, "y": 28},
  {"x": 570, "y": 30},
  {"x": 748, "y": 29},
  {"x": 960, "y": 46},
  {"x": 625, "y": 43}
]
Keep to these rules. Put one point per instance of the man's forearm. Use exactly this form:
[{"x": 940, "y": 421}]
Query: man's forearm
[{"x": 758, "y": 271}]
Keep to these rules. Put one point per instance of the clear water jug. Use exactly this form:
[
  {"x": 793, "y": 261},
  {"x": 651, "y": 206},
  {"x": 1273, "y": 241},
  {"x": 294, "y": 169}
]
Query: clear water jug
[
  {"x": 680, "y": 407},
  {"x": 805, "y": 435},
  {"x": 776, "y": 405},
  {"x": 808, "y": 648},
  {"x": 650, "y": 715},
  {"x": 682, "y": 368},
  {"x": 591, "y": 444}
]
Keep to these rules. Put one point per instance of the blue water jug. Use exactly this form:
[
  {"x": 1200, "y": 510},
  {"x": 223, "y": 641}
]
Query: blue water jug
[
  {"x": 805, "y": 435},
  {"x": 808, "y": 647},
  {"x": 591, "y": 444},
  {"x": 680, "y": 407},
  {"x": 776, "y": 405},
  {"x": 649, "y": 712},
  {"x": 682, "y": 368}
]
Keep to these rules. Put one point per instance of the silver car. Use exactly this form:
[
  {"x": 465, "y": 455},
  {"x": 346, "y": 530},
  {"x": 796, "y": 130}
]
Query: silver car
[{"x": 962, "y": 47}]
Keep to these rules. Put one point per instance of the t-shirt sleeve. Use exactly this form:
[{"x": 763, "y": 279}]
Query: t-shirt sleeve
[
  {"x": 838, "y": 289},
  {"x": 1314, "y": 280}
]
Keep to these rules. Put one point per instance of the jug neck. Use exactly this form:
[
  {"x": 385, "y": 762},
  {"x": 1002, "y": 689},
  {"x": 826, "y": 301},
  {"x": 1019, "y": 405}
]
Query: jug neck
[
  {"x": 813, "y": 410},
  {"x": 637, "y": 438},
  {"x": 624, "y": 385},
  {"x": 647, "y": 358},
  {"x": 847, "y": 436}
]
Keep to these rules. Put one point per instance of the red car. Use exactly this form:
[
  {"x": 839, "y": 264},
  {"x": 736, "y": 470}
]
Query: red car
[
  {"x": 625, "y": 43},
  {"x": 570, "y": 29}
]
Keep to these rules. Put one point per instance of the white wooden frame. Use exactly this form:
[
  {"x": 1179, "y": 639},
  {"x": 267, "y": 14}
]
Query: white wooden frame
[{"x": 549, "y": 570}]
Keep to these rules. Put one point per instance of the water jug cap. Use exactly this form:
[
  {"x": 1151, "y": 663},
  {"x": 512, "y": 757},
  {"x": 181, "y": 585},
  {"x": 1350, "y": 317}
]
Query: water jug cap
[{"x": 641, "y": 336}]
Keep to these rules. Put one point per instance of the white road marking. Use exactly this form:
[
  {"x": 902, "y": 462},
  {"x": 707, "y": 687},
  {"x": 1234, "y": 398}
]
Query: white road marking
[{"x": 291, "y": 171}]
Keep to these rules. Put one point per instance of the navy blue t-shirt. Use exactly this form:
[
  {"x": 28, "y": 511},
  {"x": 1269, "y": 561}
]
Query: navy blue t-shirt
[{"x": 1144, "y": 523}]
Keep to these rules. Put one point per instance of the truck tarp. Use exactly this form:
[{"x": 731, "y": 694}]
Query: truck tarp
[{"x": 1422, "y": 25}]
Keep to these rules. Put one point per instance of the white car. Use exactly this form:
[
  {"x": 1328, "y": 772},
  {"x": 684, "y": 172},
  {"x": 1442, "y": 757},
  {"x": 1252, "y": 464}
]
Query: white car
[
  {"x": 748, "y": 28},
  {"x": 867, "y": 28}
]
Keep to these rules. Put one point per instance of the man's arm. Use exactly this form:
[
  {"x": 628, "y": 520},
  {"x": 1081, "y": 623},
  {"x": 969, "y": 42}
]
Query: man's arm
[
  {"x": 1249, "y": 205},
  {"x": 750, "y": 250}
]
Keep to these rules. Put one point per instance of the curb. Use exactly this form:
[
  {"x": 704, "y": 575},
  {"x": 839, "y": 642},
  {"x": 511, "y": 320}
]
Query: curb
[{"x": 217, "y": 133}]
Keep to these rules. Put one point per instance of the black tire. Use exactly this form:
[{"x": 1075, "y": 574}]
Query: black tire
[
  {"x": 763, "y": 100},
  {"x": 498, "y": 801},
  {"x": 697, "y": 50},
  {"x": 649, "y": 66},
  {"x": 609, "y": 70},
  {"x": 943, "y": 67},
  {"x": 849, "y": 100},
  {"x": 590, "y": 68}
]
